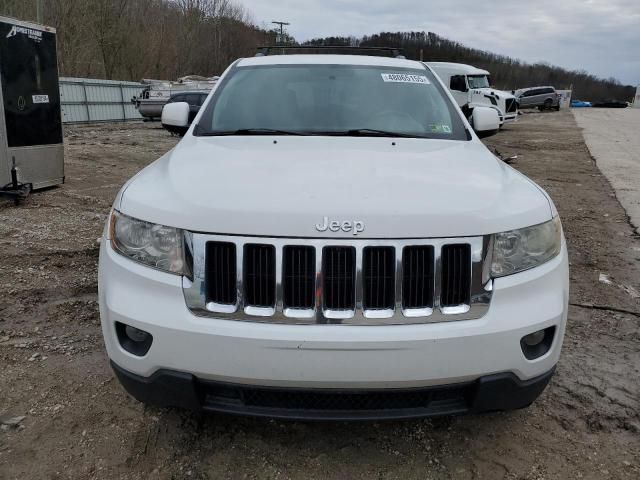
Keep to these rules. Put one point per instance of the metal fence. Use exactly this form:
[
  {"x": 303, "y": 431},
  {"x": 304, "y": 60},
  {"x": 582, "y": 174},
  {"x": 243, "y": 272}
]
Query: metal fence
[{"x": 88, "y": 100}]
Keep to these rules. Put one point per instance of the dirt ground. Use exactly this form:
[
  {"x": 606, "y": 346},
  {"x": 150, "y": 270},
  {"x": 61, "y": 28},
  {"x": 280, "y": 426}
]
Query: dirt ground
[{"x": 80, "y": 424}]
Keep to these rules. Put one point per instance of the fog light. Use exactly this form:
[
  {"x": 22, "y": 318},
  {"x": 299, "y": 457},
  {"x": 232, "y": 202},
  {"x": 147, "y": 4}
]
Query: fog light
[
  {"x": 133, "y": 340},
  {"x": 538, "y": 343},
  {"x": 135, "y": 334},
  {"x": 531, "y": 340}
]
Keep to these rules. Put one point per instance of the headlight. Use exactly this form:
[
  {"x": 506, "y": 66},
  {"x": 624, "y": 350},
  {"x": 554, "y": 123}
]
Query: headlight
[
  {"x": 519, "y": 250},
  {"x": 154, "y": 245}
]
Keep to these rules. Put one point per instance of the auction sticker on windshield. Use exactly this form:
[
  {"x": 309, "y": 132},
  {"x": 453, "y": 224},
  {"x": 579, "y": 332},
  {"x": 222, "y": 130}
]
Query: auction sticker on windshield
[{"x": 404, "y": 78}]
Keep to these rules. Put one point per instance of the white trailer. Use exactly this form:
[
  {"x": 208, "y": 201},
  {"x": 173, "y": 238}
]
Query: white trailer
[
  {"x": 31, "y": 150},
  {"x": 471, "y": 87}
]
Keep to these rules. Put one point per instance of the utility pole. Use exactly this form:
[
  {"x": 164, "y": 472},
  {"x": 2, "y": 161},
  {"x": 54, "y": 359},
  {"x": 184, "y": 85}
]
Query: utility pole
[
  {"x": 39, "y": 11},
  {"x": 282, "y": 24}
]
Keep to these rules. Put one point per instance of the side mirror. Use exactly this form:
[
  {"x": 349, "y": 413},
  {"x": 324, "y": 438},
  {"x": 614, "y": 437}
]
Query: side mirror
[
  {"x": 485, "y": 121},
  {"x": 176, "y": 114}
]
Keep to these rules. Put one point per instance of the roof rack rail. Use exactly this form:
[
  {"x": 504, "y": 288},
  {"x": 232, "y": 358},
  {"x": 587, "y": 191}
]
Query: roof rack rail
[{"x": 281, "y": 49}]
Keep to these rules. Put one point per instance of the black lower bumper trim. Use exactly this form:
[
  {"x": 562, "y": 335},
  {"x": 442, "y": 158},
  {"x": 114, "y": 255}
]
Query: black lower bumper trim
[{"x": 167, "y": 388}]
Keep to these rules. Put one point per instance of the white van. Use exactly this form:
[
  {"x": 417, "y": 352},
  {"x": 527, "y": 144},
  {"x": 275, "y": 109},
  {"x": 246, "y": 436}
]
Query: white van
[{"x": 471, "y": 86}]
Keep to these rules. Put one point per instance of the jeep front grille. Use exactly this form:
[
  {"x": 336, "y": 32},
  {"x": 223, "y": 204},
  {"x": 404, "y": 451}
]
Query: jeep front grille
[{"x": 359, "y": 282}]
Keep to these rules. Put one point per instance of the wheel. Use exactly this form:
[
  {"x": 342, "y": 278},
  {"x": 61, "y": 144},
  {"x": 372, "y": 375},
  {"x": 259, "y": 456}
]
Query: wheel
[{"x": 548, "y": 103}]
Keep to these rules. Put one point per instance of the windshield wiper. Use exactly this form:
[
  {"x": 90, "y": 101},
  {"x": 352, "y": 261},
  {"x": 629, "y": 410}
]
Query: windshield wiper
[
  {"x": 356, "y": 132},
  {"x": 372, "y": 132},
  {"x": 252, "y": 131}
]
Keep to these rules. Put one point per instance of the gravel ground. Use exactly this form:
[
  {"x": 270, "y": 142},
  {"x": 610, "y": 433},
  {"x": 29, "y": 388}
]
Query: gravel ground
[
  {"x": 78, "y": 422},
  {"x": 612, "y": 136}
]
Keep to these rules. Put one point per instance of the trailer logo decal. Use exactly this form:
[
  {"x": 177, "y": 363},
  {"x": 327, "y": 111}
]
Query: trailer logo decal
[
  {"x": 40, "y": 98},
  {"x": 30, "y": 32}
]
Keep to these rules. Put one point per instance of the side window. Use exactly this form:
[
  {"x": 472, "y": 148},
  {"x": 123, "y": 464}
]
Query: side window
[
  {"x": 178, "y": 98},
  {"x": 193, "y": 99},
  {"x": 203, "y": 97},
  {"x": 548, "y": 90},
  {"x": 458, "y": 83}
]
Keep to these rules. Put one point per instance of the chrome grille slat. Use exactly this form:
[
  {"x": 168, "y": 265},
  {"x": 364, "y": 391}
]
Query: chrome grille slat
[
  {"x": 339, "y": 281},
  {"x": 279, "y": 274},
  {"x": 259, "y": 275},
  {"x": 418, "y": 279},
  {"x": 221, "y": 270},
  {"x": 299, "y": 277},
  {"x": 354, "y": 291},
  {"x": 378, "y": 265},
  {"x": 456, "y": 277}
]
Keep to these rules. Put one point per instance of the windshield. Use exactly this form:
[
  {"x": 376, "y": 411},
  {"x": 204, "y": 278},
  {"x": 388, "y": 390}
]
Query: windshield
[
  {"x": 478, "y": 81},
  {"x": 331, "y": 100}
]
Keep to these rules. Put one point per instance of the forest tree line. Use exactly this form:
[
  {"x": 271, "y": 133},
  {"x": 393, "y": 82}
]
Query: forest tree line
[
  {"x": 166, "y": 39},
  {"x": 506, "y": 73}
]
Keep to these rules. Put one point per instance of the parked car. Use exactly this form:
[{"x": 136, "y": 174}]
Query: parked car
[
  {"x": 331, "y": 240},
  {"x": 194, "y": 100},
  {"x": 156, "y": 93},
  {"x": 611, "y": 104},
  {"x": 580, "y": 104},
  {"x": 543, "y": 98},
  {"x": 471, "y": 86}
]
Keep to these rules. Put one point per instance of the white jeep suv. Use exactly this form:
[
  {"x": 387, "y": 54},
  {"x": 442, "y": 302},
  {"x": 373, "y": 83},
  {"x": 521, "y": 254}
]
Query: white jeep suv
[{"x": 330, "y": 240}]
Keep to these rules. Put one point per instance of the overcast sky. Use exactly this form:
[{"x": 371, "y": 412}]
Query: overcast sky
[{"x": 600, "y": 36}]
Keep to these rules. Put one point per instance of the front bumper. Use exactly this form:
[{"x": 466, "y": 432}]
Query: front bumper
[
  {"x": 338, "y": 357},
  {"x": 167, "y": 388}
]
